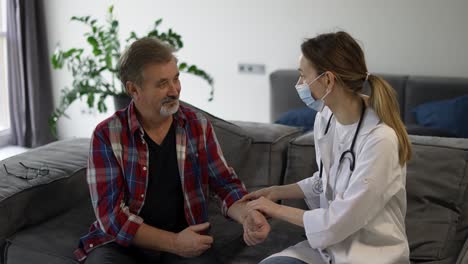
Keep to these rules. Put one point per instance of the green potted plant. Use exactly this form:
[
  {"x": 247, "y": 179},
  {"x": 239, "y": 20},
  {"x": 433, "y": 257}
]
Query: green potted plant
[{"x": 95, "y": 72}]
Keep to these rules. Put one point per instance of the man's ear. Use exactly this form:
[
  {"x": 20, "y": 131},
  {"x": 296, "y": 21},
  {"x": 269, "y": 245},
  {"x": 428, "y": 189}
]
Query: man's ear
[{"x": 131, "y": 88}]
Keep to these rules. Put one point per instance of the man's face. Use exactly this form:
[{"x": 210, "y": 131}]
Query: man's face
[{"x": 159, "y": 91}]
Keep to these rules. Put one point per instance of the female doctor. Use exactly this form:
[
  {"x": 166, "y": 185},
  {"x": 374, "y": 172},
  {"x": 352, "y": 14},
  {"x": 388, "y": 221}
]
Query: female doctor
[{"x": 361, "y": 150}]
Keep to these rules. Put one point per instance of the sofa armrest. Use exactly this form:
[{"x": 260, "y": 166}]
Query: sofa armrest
[{"x": 28, "y": 202}]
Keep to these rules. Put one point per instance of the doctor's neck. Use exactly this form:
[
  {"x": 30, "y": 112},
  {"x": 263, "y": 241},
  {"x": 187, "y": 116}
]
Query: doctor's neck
[{"x": 346, "y": 106}]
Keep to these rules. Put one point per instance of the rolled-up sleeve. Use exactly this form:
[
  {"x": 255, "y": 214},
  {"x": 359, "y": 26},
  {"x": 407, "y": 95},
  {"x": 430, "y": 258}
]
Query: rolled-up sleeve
[{"x": 222, "y": 178}]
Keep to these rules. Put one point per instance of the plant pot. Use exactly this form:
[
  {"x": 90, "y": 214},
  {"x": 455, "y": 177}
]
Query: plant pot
[{"x": 121, "y": 101}]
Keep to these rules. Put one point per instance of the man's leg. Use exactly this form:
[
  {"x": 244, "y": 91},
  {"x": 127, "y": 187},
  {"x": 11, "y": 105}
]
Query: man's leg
[
  {"x": 110, "y": 254},
  {"x": 282, "y": 260},
  {"x": 209, "y": 257}
]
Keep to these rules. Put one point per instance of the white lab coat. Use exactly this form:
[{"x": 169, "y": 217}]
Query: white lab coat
[{"x": 365, "y": 221}]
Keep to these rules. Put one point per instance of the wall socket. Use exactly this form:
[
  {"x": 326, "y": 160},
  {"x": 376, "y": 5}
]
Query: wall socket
[{"x": 251, "y": 68}]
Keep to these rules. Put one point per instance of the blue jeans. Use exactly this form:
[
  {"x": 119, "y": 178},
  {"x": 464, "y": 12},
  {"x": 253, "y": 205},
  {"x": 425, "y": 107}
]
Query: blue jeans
[{"x": 282, "y": 260}]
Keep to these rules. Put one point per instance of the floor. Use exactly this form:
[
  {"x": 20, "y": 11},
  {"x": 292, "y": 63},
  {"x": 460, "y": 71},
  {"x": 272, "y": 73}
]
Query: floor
[{"x": 8, "y": 151}]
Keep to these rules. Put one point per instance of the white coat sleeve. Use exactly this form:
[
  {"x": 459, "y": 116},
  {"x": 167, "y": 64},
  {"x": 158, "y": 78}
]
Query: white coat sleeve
[
  {"x": 377, "y": 170},
  {"x": 311, "y": 185}
]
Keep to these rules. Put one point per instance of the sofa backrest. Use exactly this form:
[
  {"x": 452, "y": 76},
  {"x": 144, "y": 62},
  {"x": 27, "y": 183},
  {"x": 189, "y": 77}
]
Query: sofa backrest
[
  {"x": 421, "y": 90},
  {"x": 411, "y": 92},
  {"x": 283, "y": 95},
  {"x": 398, "y": 83},
  {"x": 256, "y": 151}
]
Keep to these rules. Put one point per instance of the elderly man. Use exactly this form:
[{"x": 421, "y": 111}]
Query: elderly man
[{"x": 151, "y": 169}]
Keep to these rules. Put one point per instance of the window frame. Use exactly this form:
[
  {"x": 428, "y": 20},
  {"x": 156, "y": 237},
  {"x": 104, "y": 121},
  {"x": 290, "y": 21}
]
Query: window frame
[{"x": 5, "y": 134}]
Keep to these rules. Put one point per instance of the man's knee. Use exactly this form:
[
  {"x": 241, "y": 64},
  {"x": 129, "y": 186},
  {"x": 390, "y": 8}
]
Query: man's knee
[
  {"x": 209, "y": 257},
  {"x": 282, "y": 260},
  {"x": 110, "y": 253}
]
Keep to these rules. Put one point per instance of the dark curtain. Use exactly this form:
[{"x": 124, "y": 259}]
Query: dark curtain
[{"x": 29, "y": 80}]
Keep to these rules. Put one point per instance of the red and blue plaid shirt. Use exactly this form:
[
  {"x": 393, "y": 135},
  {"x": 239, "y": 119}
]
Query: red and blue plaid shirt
[{"x": 118, "y": 175}]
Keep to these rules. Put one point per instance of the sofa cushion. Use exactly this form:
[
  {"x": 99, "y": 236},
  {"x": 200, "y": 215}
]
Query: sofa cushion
[
  {"x": 302, "y": 117},
  {"x": 301, "y": 164},
  {"x": 419, "y": 130},
  {"x": 266, "y": 160},
  {"x": 28, "y": 202},
  {"x": 234, "y": 141},
  {"x": 55, "y": 240},
  {"x": 52, "y": 241},
  {"x": 420, "y": 90},
  {"x": 253, "y": 148},
  {"x": 436, "y": 185},
  {"x": 449, "y": 115}
]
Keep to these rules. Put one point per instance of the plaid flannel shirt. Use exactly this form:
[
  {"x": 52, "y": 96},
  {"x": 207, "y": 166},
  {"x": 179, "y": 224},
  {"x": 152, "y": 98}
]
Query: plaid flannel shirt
[{"x": 118, "y": 175}]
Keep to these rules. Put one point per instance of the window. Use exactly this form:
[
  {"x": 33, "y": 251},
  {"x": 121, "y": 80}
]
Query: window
[{"x": 4, "y": 105}]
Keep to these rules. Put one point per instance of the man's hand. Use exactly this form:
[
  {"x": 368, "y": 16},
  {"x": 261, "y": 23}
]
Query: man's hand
[
  {"x": 189, "y": 243},
  {"x": 256, "y": 228},
  {"x": 269, "y": 193}
]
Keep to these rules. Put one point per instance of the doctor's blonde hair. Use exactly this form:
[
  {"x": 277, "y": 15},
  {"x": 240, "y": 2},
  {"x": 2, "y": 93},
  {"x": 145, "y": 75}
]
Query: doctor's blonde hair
[{"x": 340, "y": 54}]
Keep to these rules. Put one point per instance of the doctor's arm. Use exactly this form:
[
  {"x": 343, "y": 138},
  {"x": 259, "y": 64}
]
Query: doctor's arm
[
  {"x": 274, "y": 210},
  {"x": 275, "y": 193}
]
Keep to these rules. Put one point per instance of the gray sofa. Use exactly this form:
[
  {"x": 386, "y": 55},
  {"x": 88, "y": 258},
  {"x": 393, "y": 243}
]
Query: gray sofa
[
  {"x": 42, "y": 219},
  {"x": 411, "y": 91}
]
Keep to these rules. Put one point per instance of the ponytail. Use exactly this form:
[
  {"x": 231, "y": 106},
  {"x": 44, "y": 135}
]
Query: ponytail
[{"x": 383, "y": 101}]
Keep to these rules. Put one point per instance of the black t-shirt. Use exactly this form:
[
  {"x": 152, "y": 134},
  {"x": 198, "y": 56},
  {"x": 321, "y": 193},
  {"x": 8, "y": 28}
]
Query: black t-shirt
[{"x": 164, "y": 203}]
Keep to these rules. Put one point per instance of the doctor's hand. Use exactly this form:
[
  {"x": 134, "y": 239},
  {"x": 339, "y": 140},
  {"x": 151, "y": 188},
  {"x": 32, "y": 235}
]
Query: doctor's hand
[
  {"x": 265, "y": 206},
  {"x": 269, "y": 193},
  {"x": 256, "y": 228}
]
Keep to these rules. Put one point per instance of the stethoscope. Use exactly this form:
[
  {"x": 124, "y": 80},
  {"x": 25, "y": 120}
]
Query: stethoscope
[{"x": 350, "y": 152}]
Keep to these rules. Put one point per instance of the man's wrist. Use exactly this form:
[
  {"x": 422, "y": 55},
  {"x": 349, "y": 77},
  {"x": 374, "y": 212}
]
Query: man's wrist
[
  {"x": 173, "y": 245},
  {"x": 246, "y": 213}
]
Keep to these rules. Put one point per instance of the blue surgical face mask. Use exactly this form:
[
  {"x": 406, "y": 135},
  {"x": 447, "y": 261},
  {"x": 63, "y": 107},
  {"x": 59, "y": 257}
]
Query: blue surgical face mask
[{"x": 306, "y": 96}]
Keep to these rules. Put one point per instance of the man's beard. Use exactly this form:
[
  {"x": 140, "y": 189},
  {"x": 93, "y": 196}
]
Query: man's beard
[{"x": 168, "y": 107}]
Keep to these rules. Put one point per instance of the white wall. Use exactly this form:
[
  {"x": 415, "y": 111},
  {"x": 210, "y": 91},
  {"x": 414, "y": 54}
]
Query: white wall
[{"x": 424, "y": 37}]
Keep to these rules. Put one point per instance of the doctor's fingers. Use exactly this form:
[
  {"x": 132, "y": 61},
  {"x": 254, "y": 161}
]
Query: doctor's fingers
[
  {"x": 265, "y": 192},
  {"x": 250, "y": 196},
  {"x": 254, "y": 205},
  {"x": 260, "y": 203}
]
